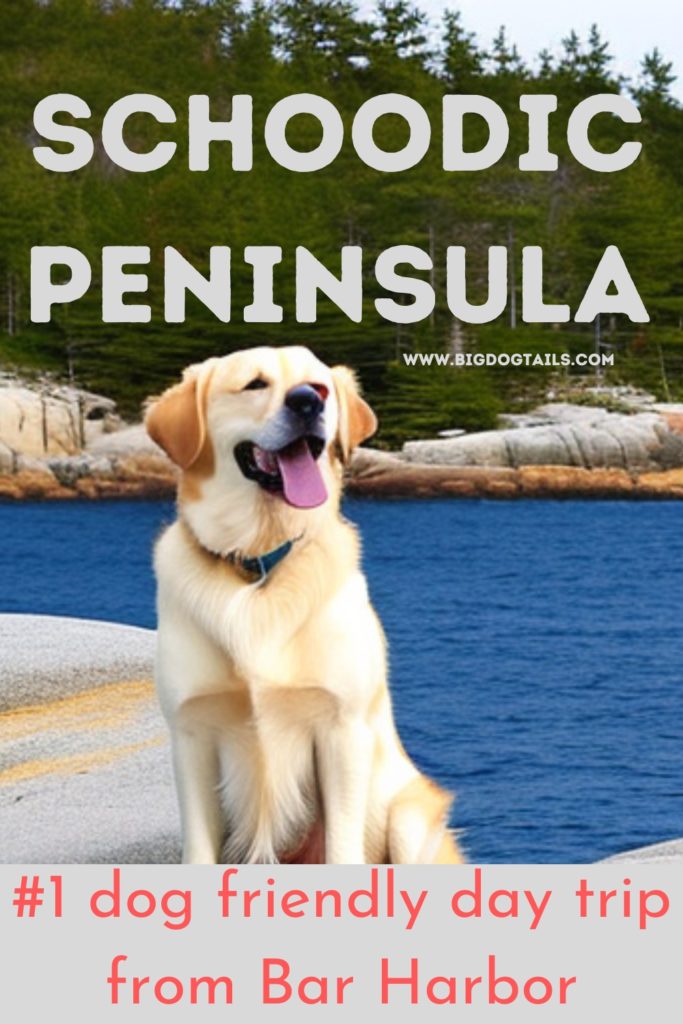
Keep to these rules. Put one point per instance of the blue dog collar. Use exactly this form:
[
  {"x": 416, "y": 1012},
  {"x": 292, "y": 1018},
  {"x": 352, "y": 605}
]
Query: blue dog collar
[
  {"x": 258, "y": 566},
  {"x": 262, "y": 565}
]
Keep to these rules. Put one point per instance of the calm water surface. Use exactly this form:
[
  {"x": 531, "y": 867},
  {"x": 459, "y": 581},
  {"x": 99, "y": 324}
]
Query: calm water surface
[{"x": 536, "y": 650}]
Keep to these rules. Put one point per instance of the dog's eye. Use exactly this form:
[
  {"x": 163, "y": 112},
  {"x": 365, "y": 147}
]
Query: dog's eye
[{"x": 255, "y": 384}]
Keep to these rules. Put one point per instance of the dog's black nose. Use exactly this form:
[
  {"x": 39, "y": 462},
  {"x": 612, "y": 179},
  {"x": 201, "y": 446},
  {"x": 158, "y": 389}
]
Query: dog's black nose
[{"x": 305, "y": 401}]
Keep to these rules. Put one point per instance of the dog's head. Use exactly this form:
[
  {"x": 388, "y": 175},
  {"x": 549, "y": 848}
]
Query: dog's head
[{"x": 259, "y": 437}]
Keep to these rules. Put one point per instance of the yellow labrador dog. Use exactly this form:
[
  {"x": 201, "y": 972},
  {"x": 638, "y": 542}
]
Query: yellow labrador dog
[{"x": 271, "y": 663}]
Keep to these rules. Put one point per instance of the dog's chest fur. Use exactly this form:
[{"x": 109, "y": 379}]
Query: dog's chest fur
[{"x": 268, "y": 774}]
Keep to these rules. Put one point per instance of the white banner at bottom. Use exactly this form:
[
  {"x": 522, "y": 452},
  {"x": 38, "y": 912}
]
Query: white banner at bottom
[{"x": 270, "y": 943}]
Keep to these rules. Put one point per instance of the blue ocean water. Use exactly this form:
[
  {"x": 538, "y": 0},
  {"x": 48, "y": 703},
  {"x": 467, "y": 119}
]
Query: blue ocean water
[{"x": 536, "y": 650}]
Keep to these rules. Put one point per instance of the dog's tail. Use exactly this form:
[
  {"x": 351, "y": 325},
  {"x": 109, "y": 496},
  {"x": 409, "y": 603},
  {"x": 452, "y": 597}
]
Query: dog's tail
[{"x": 418, "y": 829}]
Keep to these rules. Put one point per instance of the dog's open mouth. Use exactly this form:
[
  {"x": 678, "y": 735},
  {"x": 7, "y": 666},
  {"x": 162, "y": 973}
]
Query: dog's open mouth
[{"x": 292, "y": 472}]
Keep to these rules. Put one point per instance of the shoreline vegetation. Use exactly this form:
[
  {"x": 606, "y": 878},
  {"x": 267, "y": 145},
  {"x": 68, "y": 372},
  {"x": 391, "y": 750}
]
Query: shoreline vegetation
[{"x": 222, "y": 49}]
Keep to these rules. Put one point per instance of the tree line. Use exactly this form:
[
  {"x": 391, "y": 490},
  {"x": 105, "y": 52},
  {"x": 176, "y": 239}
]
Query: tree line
[{"x": 103, "y": 49}]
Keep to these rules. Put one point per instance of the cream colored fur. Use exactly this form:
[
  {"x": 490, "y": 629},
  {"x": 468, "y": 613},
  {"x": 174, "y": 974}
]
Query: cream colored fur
[{"x": 276, "y": 692}]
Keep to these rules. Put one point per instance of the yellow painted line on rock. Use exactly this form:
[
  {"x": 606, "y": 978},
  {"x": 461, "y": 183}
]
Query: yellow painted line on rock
[
  {"x": 73, "y": 764},
  {"x": 103, "y": 707}
]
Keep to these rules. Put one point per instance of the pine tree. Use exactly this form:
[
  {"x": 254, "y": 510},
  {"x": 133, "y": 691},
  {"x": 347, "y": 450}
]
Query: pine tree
[
  {"x": 402, "y": 30},
  {"x": 571, "y": 61},
  {"x": 321, "y": 34},
  {"x": 462, "y": 61},
  {"x": 656, "y": 78},
  {"x": 596, "y": 61},
  {"x": 505, "y": 58},
  {"x": 546, "y": 65}
]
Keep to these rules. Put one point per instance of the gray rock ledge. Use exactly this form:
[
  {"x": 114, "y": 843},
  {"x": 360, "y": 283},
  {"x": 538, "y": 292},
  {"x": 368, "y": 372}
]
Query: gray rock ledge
[{"x": 85, "y": 767}]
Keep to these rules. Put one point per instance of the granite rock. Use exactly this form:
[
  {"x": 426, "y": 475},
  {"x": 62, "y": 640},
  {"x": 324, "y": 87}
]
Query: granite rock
[
  {"x": 562, "y": 435},
  {"x": 43, "y": 419}
]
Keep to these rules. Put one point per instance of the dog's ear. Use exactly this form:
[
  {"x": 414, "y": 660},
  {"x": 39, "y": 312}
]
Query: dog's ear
[
  {"x": 357, "y": 421},
  {"x": 177, "y": 420}
]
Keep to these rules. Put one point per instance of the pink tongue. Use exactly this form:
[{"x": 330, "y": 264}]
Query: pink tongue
[{"x": 302, "y": 481}]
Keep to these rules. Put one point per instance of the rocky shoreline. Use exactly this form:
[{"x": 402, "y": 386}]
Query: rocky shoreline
[
  {"x": 63, "y": 444},
  {"x": 146, "y": 477},
  {"x": 392, "y": 478},
  {"x": 373, "y": 474}
]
